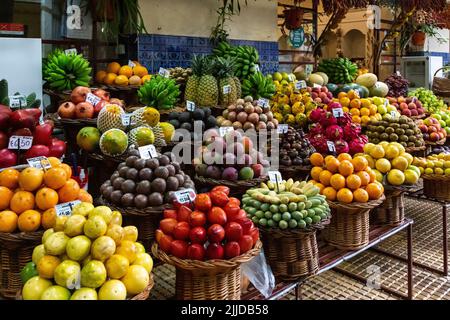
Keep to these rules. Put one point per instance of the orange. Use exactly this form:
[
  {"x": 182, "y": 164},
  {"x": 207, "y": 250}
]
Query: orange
[
  {"x": 55, "y": 178},
  {"x": 55, "y": 162},
  {"x": 69, "y": 192},
  {"x": 109, "y": 79},
  {"x": 113, "y": 67},
  {"x": 372, "y": 174},
  {"x": 356, "y": 119},
  {"x": 354, "y": 112},
  {"x": 84, "y": 196},
  {"x": 353, "y": 182},
  {"x": 22, "y": 201},
  {"x": 146, "y": 78},
  {"x": 352, "y": 94},
  {"x": 5, "y": 197},
  {"x": 355, "y": 103},
  {"x": 9, "y": 178},
  {"x": 46, "y": 198},
  {"x": 345, "y": 195},
  {"x": 67, "y": 169},
  {"x": 30, "y": 179},
  {"x": 360, "y": 163},
  {"x": 8, "y": 221},
  {"x": 332, "y": 164},
  {"x": 140, "y": 71},
  {"x": 47, "y": 265},
  {"x": 345, "y": 102},
  {"x": 320, "y": 186},
  {"x": 315, "y": 173},
  {"x": 330, "y": 193},
  {"x": 48, "y": 218},
  {"x": 346, "y": 168},
  {"x": 375, "y": 190},
  {"x": 29, "y": 221},
  {"x": 360, "y": 195},
  {"x": 121, "y": 80},
  {"x": 365, "y": 112},
  {"x": 126, "y": 71},
  {"x": 344, "y": 156},
  {"x": 325, "y": 177},
  {"x": 337, "y": 181},
  {"x": 316, "y": 159},
  {"x": 100, "y": 75},
  {"x": 365, "y": 178},
  {"x": 342, "y": 95}
]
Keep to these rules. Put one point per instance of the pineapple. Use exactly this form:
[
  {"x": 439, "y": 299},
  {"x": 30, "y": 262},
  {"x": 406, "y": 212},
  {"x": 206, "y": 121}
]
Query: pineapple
[
  {"x": 110, "y": 118},
  {"x": 237, "y": 83},
  {"x": 224, "y": 74},
  {"x": 192, "y": 83},
  {"x": 207, "y": 91}
]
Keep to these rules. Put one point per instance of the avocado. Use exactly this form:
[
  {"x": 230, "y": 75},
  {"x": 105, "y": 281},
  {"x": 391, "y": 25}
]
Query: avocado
[
  {"x": 207, "y": 111},
  {"x": 185, "y": 117},
  {"x": 174, "y": 115},
  {"x": 198, "y": 114},
  {"x": 187, "y": 126},
  {"x": 211, "y": 122},
  {"x": 175, "y": 123}
]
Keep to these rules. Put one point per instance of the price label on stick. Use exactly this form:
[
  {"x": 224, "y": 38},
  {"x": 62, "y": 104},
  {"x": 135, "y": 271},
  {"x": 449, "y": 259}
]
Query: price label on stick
[
  {"x": 275, "y": 176},
  {"x": 386, "y": 102},
  {"x": 71, "y": 51},
  {"x": 131, "y": 64},
  {"x": 17, "y": 102},
  {"x": 398, "y": 73},
  {"x": 148, "y": 151},
  {"x": 224, "y": 130},
  {"x": 257, "y": 69},
  {"x": 263, "y": 102},
  {"x": 39, "y": 162},
  {"x": 126, "y": 119},
  {"x": 92, "y": 99},
  {"x": 291, "y": 77},
  {"x": 393, "y": 114},
  {"x": 65, "y": 209},
  {"x": 315, "y": 85},
  {"x": 226, "y": 89},
  {"x": 331, "y": 146},
  {"x": 20, "y": 142},
  {"x": 282, "y": 128},
  {"x": 164, "y": 72},
  {"x": 300, "y": 85},
  {"x": 186, "y": 195},
  {"x": 338, "y": 113},
  {"x": 190, "y": 105}
]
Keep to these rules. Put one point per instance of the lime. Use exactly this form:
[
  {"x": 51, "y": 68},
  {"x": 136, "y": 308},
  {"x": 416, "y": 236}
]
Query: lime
[
  {"x": 264, "y": 207},
  {"x": 273, "y": 208},
  {"x": 283, "y": 224},
  {"x": 292, "y": 206},
  {"x": 293, "y": 223},
  {"x": 308, "y": 220},
  {"x": 297, "y": 215},
  {"x": 276, "y": 217},
  {"x": 263, "y": 222},
  {"x": 268, "y": 215},
  {"x": 283, "y": 208},
  {"x": 286, "y": 216},
  {"x": 302, "y": 224},
  {"x": 270, "y": 223},
  {"x": 255, "y": 220},
  {"x": 259, "y": 214},
  {"x": 316, "y": 219}
]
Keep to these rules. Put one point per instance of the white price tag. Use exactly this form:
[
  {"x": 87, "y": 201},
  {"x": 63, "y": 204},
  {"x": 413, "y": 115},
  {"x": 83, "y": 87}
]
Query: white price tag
[
  {"x": 39, "y": 162},
  {"x": 386, "y": 102},
  {"x": 148, "y": 151},
  {"x": 414, "y": 100},
  {"x": 257, "y": 69},
  {"x": 275, "y": 176},
  {"x": 282, "y": 128},
  {"x": 71, "y": 51},
  {"x": 300, "y": 85},
  {"x": 315, "y": 85},
  {"x": 292, "y": 78},
  {"x": 65, "y": 209},
  {"x": 226, "y": 89},
  {"x": 164, "y": 72},
  {"x": 263, "y": 102},
  {"x": 185, "y": 195},
  {"x": 338, "y": 113},
  {"x": 18, "y": 101},
  {"x": 131, "y": 64},
  {"x": 331, "y": 146},
  {"x": 393, "y": 114},
  {"x": 20, "y": 142},
  {"x": 398, "y": 73},
  {"x": 224, "y": 130},
  {"x": 92, "y": 99},
  {"x": 127, "y": 119},
  {"x": 190, "y": 105}
]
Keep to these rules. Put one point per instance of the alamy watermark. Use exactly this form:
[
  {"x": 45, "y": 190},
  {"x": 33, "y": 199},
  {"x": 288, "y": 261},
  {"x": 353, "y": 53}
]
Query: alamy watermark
[
  {"x": 374, "y": 278},
  {"x": 73, "y": 17},
  {"x": 373, "y": 14}
]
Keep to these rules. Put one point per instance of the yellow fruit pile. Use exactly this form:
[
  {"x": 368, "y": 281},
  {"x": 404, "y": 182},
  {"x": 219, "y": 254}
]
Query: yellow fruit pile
[
  {"x": 345, "y": 179},
  {"x": 391, "y": 164},
  {"x": 91, "y": 258},
  {"x": 118, "y": 75},
  {"x": 28, "y": 198},
  {"x": 434, "y": 164}
]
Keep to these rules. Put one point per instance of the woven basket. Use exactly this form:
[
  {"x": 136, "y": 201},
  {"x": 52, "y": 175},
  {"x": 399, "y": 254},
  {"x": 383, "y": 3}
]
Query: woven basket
[
  {"x": 436, "y": 186},
  {"x": 237, "y": 188},
  {"x": 207, "y": 280},
  {"x": 16, "y": 250},
  {"x": 294, "y": 172},
  {"x": 291, "y": 254},
  {"x": 391, "y": 211},
  {"x": 349, "y": 225}
]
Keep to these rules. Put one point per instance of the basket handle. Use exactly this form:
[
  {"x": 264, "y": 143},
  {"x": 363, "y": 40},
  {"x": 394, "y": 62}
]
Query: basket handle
[{"x": 443, "y": 68}]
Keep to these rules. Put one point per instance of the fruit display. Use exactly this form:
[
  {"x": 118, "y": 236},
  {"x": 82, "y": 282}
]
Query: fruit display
[
  {"x": 410, "y": 107},
  {"x": 63, "y": 71},
  {"x": 180, "y": 75},
  {"x": 444, "y": 119},
  {"x": 391, "y": 163},
  {"x": 329, "y": 134},
  {"x": 430, "y": 102},
  {"x": 133, "y": 74},
  {"x": 392, "y": 129},
  {"x": 438, "y": 164},
  {"x": 295, "y": 148},
  {"x": 432, "y": 130},
  {"x": 80, "y": 107},
  {"x": 187, "y": 120},
  {"x": 345, "y": 179},
  {"x": 231, "y": 157},
  {"x": 246, "y": 57},
  {"x": 159, "y": 92},
  {"x": 288, "y": 205},
  {"x": 142, "y": 183},
  {"x": 258, "y": 86},
  {"x": 398, "y": 86},
  {"x": 248, "y": 114},
  {"x": 29, "y": 197},
  {"x": 338, "y": 70},
  {"x": 90, "y": 256}
]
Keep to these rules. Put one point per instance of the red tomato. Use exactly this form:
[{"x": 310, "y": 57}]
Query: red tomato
[
  {"x": 196, "y": 252},
  {"x": 184, "y": 213},
  {"x": 158, "y": 235},
  {"x": 203, "y": 202},
  {"x": 246, "y": 243},
  {"x": 214, "y": 251},
  {"x": 233, "y": 231},
  {"x": 231, "y": 209},
  {"x": 224, "y": 189},
  {"x": 166, "y": 243},
  {"x": 198, "y": 235},
  {"x": 232, "y": 249},
  {"x": 167, "y": 225},
  {"x": 216, "y": 233},
  {"x": 198, "y": 219},
  {"x": 235, "y": 201},
  {"x": 179, "y": 249},
  {"x": 217, "y": 215},
  {"x": 241, "y": 214},
  {"x": 181, "y": 231},
  {"x": 170, "y": 213},
  {"x": 219, "y": 198}
]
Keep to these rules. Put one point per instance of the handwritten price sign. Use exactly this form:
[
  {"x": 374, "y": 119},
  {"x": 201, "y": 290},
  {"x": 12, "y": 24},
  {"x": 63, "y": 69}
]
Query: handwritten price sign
[
  {"x": 20, "y": 142},
  {"x": 65, "y": 209}
]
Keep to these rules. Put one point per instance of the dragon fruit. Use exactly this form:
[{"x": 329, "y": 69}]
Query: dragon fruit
[
  {"x": 344, "y": 120},
  {"x": 316, "y": 115},
  {"x": 328, "y": 120},
  {"x": 334, "y": 105},
  {"x": 352, "y": 131},
  {"x": 364, "y": 138},
  {"x": 319, "y": 142},
  {"x": 315, "y": 128},
  {"x": 356, "y": 146},
  {"x": 341, "y": 146},
  {"x": 334, "y": 132}
]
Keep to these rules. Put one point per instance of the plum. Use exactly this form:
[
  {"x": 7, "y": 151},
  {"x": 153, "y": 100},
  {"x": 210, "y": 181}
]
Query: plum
[{"x": 230, "y": 174}]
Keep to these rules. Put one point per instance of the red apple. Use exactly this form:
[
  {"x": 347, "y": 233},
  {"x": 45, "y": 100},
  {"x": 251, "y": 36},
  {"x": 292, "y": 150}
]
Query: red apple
[
  {"x": 233, "y": 231},
  {"x": 179, "y": 249},
  {"x": 232, "y": 249},
  {"x": 257, "y": 170},
  {"x": 217, "y": 215},
  {"x": 79, "y": 94},
  {"x": 196, "y": 252},
  {"x": 7, "y": 158},
  {"x": 197, "y": 219},
  {"x": 167, "y": 225},
  {"x": 181, "y": 231},
  {"x": 246, "y": 243},
  {"x": 214, "y": 251},
  {"x": 198, "y": 235},
  {"x": 38, "y": 150},
  {"x": 216, "y": 233},
  {"x": 166, "y": 243},
  {"x": 4, "y": 140},
  {"x": 57, "y": 148}
]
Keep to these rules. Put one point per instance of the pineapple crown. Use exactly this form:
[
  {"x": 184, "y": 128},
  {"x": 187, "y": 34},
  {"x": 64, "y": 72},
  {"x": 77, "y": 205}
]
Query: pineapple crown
[
  {"x": 198, "y": 65},
  {"x": 224, "y": 67}
]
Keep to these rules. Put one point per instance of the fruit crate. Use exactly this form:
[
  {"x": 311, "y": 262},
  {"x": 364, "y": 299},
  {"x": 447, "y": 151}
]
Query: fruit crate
[
  {"x": 237, "y": 188},
  {"x": 436, "y": 186},
  {"x": 391, "y": 211}
]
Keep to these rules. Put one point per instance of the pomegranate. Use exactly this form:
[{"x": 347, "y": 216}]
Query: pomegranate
[
  {"x": 7, "y": 158},
  {"x": 102, "y": 94},
  {"x": 99, "y": 106},
  {"x": 79, "y": 94},
  {"x": 84, "y": 110},
  {"x": 66, "y": 110}
]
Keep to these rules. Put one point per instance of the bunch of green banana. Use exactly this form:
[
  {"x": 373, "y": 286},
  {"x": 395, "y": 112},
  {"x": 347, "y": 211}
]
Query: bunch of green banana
[
  {"x": 246, "y": 58},
  {"x": 339, "y": 70},
  {"x": 66, "y": 71},
  {"x": 258, "y": 86},
  {"x": 159, "y": 92}
]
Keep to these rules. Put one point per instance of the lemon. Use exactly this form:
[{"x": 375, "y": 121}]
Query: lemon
[
  {"x": 400, "y": 163},
  {"x": 379, "y": 175},
  {"x": 396, "y": 177},
  {"x": 383, "y": 165},
  {"x": 112, "y": 290},
  {"x": 408, "y": 157},
  {"x": 377, "y": 152},
  {"x": 392, "y": 152},
  {"x": 439, "y": 171},
  {"x": 429, "y": 171},
  {"x": 38, "y": 253},
  {"x": 136, "y": 279},
  {"x": 117, "y": 266},
  {"x": 121, "y": 80},
  {"x": 447, "y": 172},
  {"x": 370, "y": 160},
  {"x": 411, "y": 177},
  {"x": 127, "y": 249},
  {"x": 84, "y": 294},
  {"x": 34, "y": 288},
  {"x": 145, "y": 260}
]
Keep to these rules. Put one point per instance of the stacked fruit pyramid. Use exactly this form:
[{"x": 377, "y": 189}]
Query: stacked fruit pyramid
[
  {"x": 133, "y": 74},
  {"x": 91, "y": 257}
]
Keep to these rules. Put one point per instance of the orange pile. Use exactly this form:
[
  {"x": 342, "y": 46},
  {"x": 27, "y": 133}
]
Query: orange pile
[
  {"x": 345, "y": 179},
  {"x": 28, "y": 198},
  {"x": 115, "y": 74}
]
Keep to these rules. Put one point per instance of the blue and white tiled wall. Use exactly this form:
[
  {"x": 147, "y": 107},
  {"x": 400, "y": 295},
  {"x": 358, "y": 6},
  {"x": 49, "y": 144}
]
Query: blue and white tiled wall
[{"x": 155, "y": 51}]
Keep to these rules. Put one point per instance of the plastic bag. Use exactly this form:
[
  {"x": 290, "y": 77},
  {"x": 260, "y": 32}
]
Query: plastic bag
[{"x": 259, "y": 274}]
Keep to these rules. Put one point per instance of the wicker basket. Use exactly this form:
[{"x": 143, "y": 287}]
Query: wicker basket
[
  {"x": 207, "y": 280},
  {"x": 237, "y": 188},
  {"x": 391, "y": 211},
  {"x": 436, "y": 186},
  {"x": 349, "y": 225},
  {"x": 291, "y": 254},
  {"x": 294, "y": 172},
  {"x": 16, "y": 250}
]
